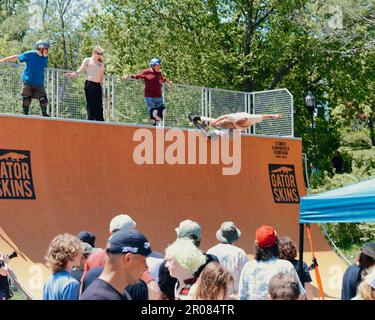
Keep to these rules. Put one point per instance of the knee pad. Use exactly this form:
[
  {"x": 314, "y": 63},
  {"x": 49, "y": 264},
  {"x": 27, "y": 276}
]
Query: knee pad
[
  {"x": 161, "y": 111},
  {"x": 43, "y": 101},
  {"x": 26, "y": 101},
  {"x": 151, "y": 113}
]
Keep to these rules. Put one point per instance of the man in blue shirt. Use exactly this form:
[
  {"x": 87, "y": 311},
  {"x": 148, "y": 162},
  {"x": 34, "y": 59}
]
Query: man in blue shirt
[{"x": 33, "y": 75}]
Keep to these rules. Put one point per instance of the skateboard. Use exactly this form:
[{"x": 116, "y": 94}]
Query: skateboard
[{"x": 203, "y": 126}]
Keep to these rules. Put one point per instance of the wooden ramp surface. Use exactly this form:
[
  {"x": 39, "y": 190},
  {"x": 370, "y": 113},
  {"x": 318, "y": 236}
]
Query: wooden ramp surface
[{"x": 83, "y": 173}]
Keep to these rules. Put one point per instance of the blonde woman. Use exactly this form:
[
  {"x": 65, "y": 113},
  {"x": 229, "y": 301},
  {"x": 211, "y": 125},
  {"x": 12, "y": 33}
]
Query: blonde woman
[
  {"x": 94, "y": 68},
  {"x": 366, "y": 289},
  {"x": 214, "y": 283},
  {"x": 183, "y": 258},
  {"x": 64, "y": 253}
]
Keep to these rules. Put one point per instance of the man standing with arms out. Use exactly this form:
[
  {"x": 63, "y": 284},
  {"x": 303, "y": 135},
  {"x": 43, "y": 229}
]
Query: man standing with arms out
[
  {"x": 126, "y": 260},
  {"x": 33, "y": 75},
  {"x": 94, "y": 68},
  {"x": 153, "y": 79}
]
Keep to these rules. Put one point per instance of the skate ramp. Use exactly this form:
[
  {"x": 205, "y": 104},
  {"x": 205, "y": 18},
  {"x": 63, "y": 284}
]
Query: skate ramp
[{"x": 81, "y": 174}]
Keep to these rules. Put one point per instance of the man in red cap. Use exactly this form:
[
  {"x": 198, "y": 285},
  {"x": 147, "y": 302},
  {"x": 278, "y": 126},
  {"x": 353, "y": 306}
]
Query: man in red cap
[{"x": 257, "y": 273}]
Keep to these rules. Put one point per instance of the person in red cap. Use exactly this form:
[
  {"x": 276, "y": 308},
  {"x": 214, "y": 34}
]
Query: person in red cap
[{"x": 257, "y": 273}]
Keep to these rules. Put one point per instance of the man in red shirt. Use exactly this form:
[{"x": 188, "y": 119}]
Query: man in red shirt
[{"x": 153, "y": 79}]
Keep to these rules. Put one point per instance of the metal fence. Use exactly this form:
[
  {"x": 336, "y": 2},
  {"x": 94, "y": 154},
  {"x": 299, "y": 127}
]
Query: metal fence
[{"x": 123, "y": 101}]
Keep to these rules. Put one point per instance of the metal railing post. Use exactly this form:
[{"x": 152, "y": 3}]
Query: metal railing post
[
  {"x": 108, "y": 95},
  {"x": 113, "y": 99},
  {"x": 53, "y": 93},
  {"x": 292, "y": 114},
  {"x": 203, "y": 102},
  {"x": 209, "y": 102},
  {"x": 48, "y": 90},
  {"x": 57, "y": 94},
  {"x": 252, "y": 111},
  {"x": 248, "y": 108}
]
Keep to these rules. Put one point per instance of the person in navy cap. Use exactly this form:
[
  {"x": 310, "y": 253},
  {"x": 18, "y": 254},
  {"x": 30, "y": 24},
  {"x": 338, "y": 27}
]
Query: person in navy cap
[{"x": 126, "y": 260}]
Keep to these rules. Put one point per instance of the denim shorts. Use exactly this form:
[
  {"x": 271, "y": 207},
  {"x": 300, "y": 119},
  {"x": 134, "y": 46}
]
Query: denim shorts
[{"x": 154, "y": 102}]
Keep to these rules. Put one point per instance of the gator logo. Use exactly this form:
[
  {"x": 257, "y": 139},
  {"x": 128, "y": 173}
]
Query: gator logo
[
  {"x": 283, "y": 170},
  {"x": 283, "y": 183},
  {"x": 16, "y": 180}
]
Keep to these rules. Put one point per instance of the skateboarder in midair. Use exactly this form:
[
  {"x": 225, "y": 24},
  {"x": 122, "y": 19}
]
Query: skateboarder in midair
[{"x": 240, "y": 120}]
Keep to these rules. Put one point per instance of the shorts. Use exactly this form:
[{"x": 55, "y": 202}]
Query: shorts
[
  {"x": 153, "y": 103},
  {"x": 4, "y": 294},
  {"x": 33, "y": 92},
  {"x": 159, "y": 110}
]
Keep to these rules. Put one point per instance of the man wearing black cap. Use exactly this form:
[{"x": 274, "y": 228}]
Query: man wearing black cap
[
  {"x": 126, "y": 260},
  {"x": 354, "y": 273},
  {"x": 88, "y": 237}
]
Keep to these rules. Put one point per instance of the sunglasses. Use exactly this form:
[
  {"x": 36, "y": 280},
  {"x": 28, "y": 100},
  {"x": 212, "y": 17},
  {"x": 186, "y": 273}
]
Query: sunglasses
[{"x": 99, "y": 53}]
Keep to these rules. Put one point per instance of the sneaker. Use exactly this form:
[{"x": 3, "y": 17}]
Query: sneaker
[{"x": 193, "y": 117}]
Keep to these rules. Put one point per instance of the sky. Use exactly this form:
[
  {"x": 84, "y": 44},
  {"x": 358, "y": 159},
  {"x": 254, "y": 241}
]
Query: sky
[{"x": 37, "y": 6}]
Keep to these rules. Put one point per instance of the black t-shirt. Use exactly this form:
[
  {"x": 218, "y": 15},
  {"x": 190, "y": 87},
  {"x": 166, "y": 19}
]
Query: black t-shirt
[
  {"x": 305, "y": 274},
  {"x": 168, "y": 283},
  {"x": 350, "y": 282},
  {"x": 101, "y": 290},
  {"x": 138, "y": 291}
]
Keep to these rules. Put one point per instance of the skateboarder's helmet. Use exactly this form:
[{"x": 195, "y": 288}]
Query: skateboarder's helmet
[
  {"x": 42, "y": 44},
  {"x": 155, "y": 62}
]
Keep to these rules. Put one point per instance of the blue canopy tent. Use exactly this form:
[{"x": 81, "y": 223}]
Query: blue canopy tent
[{"x": 353, "y": 203}]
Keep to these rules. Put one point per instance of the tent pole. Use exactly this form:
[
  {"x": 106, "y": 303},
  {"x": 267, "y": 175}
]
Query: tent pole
[{"x": 301, "y": 241}]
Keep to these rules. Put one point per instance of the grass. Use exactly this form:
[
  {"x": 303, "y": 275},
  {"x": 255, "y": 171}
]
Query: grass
[{"x": 17, "y": 294}]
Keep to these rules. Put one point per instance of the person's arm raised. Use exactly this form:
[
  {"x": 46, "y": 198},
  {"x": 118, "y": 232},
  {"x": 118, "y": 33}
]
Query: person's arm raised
[
  {"x": 9, "y": 59},
  {"x": 272, "y": 116},
  {"x": 81, "y": 69}
]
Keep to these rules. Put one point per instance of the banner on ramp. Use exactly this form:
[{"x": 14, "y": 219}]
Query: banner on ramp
[
  {"x": 16, "y": 180},
  {"x": 284, "y": 183}
]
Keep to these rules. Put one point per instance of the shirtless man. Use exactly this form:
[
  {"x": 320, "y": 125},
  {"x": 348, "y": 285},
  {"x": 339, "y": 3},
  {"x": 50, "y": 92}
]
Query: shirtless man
[{"x": 239, "y": 120}]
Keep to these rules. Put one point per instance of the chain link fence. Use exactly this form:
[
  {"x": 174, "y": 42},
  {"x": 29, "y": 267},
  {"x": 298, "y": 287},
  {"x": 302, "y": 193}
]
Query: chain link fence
[
  {"x": 123, "y": 101},
  {"x": 274, "y": 101}
]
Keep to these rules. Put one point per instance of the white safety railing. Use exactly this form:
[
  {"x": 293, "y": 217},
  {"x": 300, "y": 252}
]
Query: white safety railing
[{"x": 123, "y": 101}]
